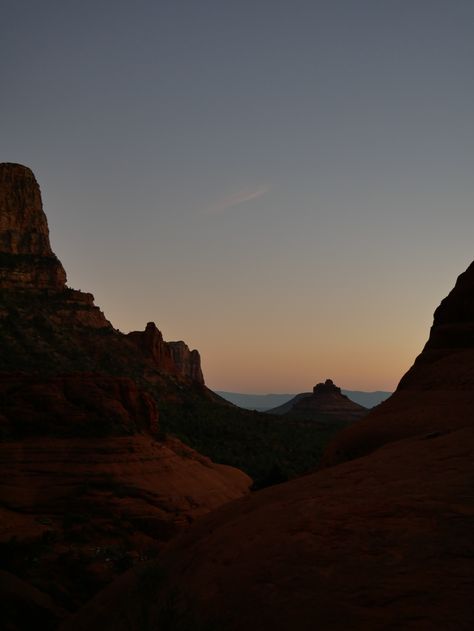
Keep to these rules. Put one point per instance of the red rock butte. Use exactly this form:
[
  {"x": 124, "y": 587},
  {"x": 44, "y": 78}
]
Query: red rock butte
[
  {"x": 28, "y": 266},
  {"x": 326, "y": 402},
  {"x": 26, "y": 258}
]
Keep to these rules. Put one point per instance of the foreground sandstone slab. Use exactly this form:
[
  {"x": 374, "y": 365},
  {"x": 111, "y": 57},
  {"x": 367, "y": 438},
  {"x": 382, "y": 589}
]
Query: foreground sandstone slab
[
  {"x": 76, "y": 512},
  {"x": 382, "y": 542}
]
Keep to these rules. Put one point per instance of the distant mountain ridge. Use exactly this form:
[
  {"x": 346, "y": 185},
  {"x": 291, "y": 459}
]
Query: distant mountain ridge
[
  {"x": 262, "y": 402},
  {"x": 325, "y": 403}
]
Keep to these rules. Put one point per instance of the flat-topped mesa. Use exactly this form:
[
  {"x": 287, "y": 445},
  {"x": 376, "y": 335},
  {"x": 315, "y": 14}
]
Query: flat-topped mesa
[
  {"x": 26, "y": 258},
  {"x": 327, "y": 399},
  {"x": 326, "y": 402}
]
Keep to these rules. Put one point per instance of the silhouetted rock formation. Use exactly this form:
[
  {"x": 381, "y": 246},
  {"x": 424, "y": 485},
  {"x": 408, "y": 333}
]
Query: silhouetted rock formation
[
  {"x": 187, "y": 362},
  {"x": 266, "y": 402},
  {"x": 46, "y": 327},
  {"x": 436, "y": 395},
  {"x": 89, "y": 483},
  {"x": 325, "y": 403},
  {"x": 381, "y": 542},
  {"x": 452, "y": 333},
  {"x": 174, "y": 358},
  {"x": 326, "y": 388}
]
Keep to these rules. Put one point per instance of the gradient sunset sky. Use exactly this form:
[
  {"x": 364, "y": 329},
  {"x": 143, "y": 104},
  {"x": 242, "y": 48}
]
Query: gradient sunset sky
[{"x": 288, "y": 186}]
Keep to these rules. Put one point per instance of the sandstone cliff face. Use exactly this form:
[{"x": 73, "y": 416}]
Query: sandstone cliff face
[
  {"x": 48, "y": 327},
  {"x": 187, "y": 362},
  {"x": 23, "y": 224},
  {"x": 174, "y": 358},
  {"x": 151, "y": 343},
  {"x": 26, "y": 258},
  {"x": 30, "y": 273},
  {"x": 381, "y": 542}
]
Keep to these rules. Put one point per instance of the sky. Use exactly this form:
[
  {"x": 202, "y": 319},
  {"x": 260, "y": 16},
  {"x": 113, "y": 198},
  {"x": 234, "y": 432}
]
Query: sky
[{"x": 287, "y": 185}]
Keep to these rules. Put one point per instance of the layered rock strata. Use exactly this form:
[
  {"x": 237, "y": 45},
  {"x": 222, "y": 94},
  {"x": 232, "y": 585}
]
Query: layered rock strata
[
  {"x": 74, "y": 405},
  {"x": 26, "y": 258},
  {"x": 47, "y": 326},
  {"x": 86, "y": 509},
  {"x": 174, "y": 358}
]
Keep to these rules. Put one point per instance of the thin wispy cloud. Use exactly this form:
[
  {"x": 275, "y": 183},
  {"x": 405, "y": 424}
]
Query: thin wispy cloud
[{"x": 242, "y": 197}]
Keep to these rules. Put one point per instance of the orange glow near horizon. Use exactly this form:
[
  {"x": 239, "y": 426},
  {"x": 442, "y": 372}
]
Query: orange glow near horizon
[
  {"x": 368, "y": 348},
  {"x": 293, "y": 201},
  {"x": 274, "y": 325}
]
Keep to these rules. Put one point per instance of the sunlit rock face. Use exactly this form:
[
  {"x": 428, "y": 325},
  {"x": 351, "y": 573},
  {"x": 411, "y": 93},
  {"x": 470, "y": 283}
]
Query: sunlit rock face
[{"x": 26, "y": 258}]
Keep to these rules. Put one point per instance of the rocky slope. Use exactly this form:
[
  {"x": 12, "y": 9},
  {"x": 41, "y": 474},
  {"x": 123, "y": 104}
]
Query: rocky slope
[
  {"x": 90, "y": 484},
  {"x": 75, "y": 513},
  {"x": 47, "y": 327},
  {"x": 383, "y": 541},
  {"x": 326, "y": 402}
]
